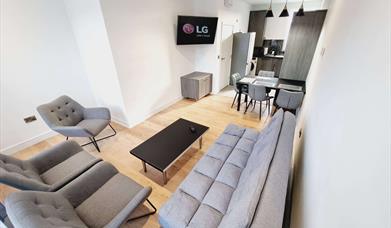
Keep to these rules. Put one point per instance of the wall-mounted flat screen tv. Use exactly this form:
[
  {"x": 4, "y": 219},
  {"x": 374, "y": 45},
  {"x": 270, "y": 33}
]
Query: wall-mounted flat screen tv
[{"x": 196, "y": 30}]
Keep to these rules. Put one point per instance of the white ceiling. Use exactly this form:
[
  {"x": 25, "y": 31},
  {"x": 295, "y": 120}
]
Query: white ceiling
[{"x": 253, "y": 2}]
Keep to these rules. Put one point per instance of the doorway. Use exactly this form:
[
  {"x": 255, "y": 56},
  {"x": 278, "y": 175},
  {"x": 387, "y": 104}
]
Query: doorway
[{"x": 226, "y": 42}]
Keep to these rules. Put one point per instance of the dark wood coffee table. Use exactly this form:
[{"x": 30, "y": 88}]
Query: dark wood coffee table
[{"x": 164, "y": 148}]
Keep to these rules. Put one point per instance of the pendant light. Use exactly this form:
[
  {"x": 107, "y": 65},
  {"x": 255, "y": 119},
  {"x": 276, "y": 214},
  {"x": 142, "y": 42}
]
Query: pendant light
[
  {"x": 270, "y": 11},
  {"x": 300, "y": 13},
  {"x": 285, "y": 12}
]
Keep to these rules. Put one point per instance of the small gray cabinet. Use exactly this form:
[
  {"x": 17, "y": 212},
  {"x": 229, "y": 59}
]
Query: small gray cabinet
[{"x": 196, "y": 85}]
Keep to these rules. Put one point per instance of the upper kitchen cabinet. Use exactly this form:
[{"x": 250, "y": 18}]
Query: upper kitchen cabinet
[
  {"x": 257, "y": 25},
  {"x": 300, "y": 49}
]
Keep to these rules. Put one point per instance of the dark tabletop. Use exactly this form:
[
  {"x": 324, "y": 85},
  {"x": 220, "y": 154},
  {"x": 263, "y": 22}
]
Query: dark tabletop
[{"x": 167, "y": 145}]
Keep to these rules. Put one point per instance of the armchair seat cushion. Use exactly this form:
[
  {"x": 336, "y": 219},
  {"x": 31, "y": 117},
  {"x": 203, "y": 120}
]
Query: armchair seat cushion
[
  {"x": 108, "y": 201},
  {"x": 40, "y": 209},
  {"x": 94, "y": 126},
  {"x": 70, "y": 168}
]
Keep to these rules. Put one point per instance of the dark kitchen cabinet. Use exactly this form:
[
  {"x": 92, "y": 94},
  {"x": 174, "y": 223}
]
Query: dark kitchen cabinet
[
  {"x": 302, "y": 41},
  {"x": 270, "y": 64},
  {"x": 257, "y": 25}
]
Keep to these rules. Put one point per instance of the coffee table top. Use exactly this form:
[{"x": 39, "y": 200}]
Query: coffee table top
[{"x": 162, "y": 149}]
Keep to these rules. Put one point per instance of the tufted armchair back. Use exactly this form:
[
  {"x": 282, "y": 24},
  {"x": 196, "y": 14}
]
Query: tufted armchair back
[
  {"x": 63, "y": 111},
  {"x": 20, "y": 174}
]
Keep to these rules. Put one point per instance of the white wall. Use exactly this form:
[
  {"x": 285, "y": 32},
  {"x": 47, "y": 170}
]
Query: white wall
[
  {"x": 343, "y": 158},
  {"x": 39, "y": 62},
  {"x": 91, "y": 36},
  {"x": 142, "y": 36}
]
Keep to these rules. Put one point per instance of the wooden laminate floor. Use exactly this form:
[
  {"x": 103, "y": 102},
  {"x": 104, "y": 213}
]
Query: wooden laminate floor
[{"x": 213, "y": 111}]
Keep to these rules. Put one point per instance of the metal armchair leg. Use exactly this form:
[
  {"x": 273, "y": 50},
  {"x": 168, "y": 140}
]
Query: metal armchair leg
[
  {"x": 147, "y": 214},
  {"x": 95, "y": 141}
]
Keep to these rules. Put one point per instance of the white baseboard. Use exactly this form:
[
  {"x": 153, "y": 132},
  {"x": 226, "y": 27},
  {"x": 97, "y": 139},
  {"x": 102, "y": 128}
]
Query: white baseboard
[
  {"x": 155, "y": 111},
  {"x": 119, "y": 121},
  {"x": 29, "y": 142}
]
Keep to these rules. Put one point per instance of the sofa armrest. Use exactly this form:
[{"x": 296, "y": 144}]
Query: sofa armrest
[
  {"x": 72, "y": 131},
  {"x": 54, "y": 156},
  {"x": 123, "y": 216},
  {"x": 97, "y": 113},
  {"x": 89, "y": 182}
]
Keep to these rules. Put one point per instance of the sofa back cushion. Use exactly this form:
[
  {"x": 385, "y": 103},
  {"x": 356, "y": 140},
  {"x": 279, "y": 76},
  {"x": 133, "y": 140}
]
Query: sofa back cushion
[
  {"x": 245, "y": 198},
  {"x": 271, "y": 206}
]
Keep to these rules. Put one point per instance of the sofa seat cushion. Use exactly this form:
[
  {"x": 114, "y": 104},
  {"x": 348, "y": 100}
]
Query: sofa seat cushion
[
  {"x": 104, "y": 204},
  {"x": 178, "y": 211},
  {"x": 41, "y": 209},
  {"x": 196, "y": 185},
  {"x": 218, "y": 196},
  {"x": 70, "y": 168},
  {"x": 219, "y": 151},
  {"x": 206, "y": 217},
  {"x": 93, "y": 126},
  {"x": 209, "y": 166}
]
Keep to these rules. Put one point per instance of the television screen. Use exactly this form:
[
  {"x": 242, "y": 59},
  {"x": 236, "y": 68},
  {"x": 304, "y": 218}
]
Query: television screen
[{"x": 196, "y": 30}]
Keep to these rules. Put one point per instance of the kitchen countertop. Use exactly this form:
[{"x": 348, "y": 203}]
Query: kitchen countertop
[{"x": 273, "y": 56}]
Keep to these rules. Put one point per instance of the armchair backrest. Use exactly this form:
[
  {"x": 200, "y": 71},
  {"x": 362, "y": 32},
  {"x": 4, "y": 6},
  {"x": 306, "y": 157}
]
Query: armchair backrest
[
  {"x": 289, "y": 100},
  {"x": 63, "y": 111},
  {"x": 20, "y": 174}
]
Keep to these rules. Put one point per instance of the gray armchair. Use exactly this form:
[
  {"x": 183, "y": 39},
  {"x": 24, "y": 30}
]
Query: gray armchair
[
  {"x": 100, "y": 197},
  {"x": 49, "y": 170},
  {"x": 69, "y": 118},
  {"x": 289, "y": 101}
]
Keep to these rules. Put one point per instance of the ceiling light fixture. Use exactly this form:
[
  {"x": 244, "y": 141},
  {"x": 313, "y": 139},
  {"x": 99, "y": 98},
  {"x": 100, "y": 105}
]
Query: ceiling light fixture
[
  {"x": 300, "y": 13},
  {"x": 270, "y": 11},
  {"x": 285, "y": 12}
]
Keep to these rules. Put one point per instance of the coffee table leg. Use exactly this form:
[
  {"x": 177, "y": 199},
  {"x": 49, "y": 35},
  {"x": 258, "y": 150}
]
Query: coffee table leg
[
  {"x": 144, "y": 166},
  {"x": 200, "y": 142},
  {"x": 164, "y": 177}
]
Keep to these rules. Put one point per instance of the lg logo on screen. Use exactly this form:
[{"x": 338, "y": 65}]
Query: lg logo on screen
[{"x": 189, "y": 29}]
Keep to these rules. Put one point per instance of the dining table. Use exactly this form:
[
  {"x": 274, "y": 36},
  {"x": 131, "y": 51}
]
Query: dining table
[{"x": 269, "y": 82}]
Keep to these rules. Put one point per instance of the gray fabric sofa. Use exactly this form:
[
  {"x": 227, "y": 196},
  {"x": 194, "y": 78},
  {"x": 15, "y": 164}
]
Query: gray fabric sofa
[
  {"x": 240, "y": 182},
  {"x": 69, "y": 118},
  {"x": 100, "y": 197},
  {"x": 47, "y": 171}
]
